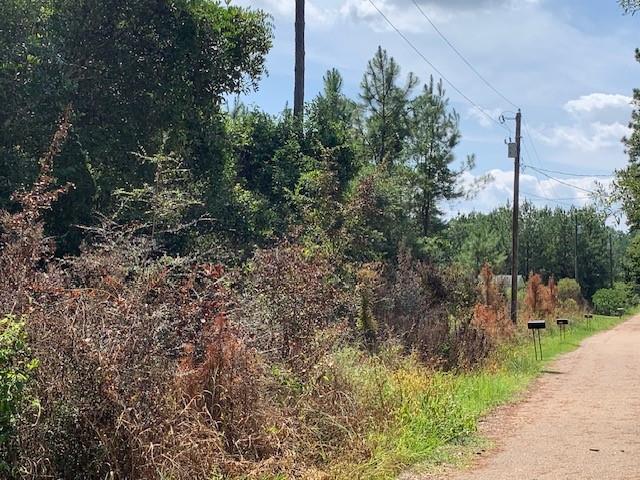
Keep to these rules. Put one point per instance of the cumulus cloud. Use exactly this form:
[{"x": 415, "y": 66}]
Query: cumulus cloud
[
  {"x": 534, "y": 187},
  {"x": 598, "y": 101},
  {"x": 590, "y": 137}
]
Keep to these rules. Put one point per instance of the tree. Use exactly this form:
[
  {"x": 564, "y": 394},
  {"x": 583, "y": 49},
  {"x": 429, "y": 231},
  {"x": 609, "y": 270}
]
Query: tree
[
  {"x": 630, "y": 6},
  {"x": 385, "y": 108},
  {"x": 482, "y": 246},
  {"x": 628, "y": 181},
  {"x": 330, "y": 130},
  {"x": 434, "y": 134},
  {"x": 132, "y": 71}
]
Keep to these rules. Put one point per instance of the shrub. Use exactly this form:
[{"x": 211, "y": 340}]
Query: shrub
[
  {"x": 608, "y": 300},
  {"x": 287, "y": 298},
  {"x": 490, "y": 313},
  {"x": 430, "y": 310},
  {"x": 16, "y": 370},
  {"x": 541, "y": 299},
  {"x": 366, "y": 322},
  {"x": 569, "y": 289}
]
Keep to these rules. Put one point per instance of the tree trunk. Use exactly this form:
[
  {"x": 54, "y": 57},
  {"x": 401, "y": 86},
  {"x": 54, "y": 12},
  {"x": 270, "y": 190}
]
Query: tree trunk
[{"x": 298, "y": 93}]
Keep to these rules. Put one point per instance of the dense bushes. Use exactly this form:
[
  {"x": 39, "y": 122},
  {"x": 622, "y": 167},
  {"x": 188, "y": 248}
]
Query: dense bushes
[
  {"x": 569, "y": 289},
  {"x": 607, "y": 301},
  {"x": 16, "y": 370},
  {"x": 153, "y": 366}
]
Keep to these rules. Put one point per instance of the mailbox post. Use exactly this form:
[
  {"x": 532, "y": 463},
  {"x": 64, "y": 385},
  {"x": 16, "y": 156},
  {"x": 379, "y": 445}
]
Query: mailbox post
[
  {"x": 562, "y": 323},
  {"x": 536, "y": 326},
  {"x": 588, "y": 317}
]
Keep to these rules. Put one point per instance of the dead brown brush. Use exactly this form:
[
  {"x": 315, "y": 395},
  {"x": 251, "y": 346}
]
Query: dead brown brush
[{"x": 490, "y": 313}]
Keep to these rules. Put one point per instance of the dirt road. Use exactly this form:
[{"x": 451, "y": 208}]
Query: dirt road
[{"x": 580, "y": 421}]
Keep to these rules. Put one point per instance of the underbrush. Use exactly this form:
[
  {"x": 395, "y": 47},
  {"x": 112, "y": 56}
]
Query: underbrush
[{"x": 292, "y": 365}]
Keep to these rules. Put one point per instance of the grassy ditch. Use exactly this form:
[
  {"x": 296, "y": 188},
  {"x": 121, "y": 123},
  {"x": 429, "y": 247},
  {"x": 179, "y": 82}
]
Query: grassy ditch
[{"x": 421, "y": 416}]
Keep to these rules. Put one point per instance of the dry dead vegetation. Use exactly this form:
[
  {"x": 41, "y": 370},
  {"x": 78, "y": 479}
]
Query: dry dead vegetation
[{"x": 154, "y": 366}]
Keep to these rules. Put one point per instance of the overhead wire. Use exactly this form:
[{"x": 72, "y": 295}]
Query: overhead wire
[
  {"x": 560, "y": 181},
  {"x": 428, "y": 62},
  {"x": 536, "y": 158},
  {"x": 462, "y": 57},
  {"x": 588, "y": 175}
]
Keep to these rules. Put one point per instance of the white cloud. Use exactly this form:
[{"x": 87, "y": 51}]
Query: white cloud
[
  {"x": 315, "y": 16},
  {"x": 598, "y": 101},
  {"x": 534, "y": 187},
  {"x": 589, "y": 137},
  {"x": 484, "y": 119}
]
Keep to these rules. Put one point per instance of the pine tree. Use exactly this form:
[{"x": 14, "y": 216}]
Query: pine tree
[{"x": 384, "y": 107}]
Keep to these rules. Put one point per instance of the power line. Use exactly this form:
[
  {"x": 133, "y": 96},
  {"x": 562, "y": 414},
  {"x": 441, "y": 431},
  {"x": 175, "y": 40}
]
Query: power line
[
  {"x": 421, "y": 55},
  {"x": 589, "y": 175},
  {"x": 560, "y": 181},
  {"x": 562, "y": 200},
  {"x": 462, "y": 57},
  {"x": 542, "y": 187}
]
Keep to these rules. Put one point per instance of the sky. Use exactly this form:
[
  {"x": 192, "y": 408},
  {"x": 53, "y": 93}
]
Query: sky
[{"x": 568, "y": 64}]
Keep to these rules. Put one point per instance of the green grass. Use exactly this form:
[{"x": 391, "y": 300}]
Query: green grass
[{"x": 433, "y": 416}]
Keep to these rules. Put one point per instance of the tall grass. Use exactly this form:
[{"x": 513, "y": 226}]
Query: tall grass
[{"x": 428, "y": 414}]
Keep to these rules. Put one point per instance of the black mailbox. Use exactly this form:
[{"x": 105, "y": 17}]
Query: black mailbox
[
  {"x": 620, "y": 311},
  {"x": 562, "y": 323},
  {"x": 537, "y": 324}
]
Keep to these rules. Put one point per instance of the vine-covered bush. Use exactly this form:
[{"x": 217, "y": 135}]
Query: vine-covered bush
[{"x": 16, "y": 369}]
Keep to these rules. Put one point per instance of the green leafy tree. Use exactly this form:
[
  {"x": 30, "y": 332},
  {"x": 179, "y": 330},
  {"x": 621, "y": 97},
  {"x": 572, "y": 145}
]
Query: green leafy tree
[{"x": 131, "y": 71}]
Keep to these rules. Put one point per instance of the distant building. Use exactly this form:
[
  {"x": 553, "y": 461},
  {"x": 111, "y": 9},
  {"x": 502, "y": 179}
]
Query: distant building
[{"x": 503, "y": 282}]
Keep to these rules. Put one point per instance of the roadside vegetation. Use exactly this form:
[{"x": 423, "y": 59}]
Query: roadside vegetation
[{"x": 196, "y": 289}]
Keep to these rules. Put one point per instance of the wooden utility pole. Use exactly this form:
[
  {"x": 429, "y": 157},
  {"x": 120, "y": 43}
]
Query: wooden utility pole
[
  {"x": 516, "y": 217},
  {"x": 298, "y": 92},
  {"x": 575, "y": 248},
  {"x": 610, "y": 259}
]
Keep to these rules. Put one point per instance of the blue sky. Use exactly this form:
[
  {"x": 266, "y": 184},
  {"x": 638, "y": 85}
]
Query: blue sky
[{"x": 569, "y": 65}]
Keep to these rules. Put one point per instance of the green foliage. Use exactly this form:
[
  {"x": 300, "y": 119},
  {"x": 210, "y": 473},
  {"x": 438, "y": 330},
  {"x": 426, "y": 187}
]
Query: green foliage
[
  {"x": 16, "y": 369},
  {"x": 165, "y": 201},
  {"x": 482, "y": 245},
  {"x": 569, "y": 289},
  {"x": 607, "y": 301},
  {"x": 630, "y": 6},
  {"x": 632, "y": 258},
  {"x": 628, "y": 181},
  {"x": 384, "y": 106},
  {"x": 547, "y": 243},
  {"x": 132, "y": 71},
  {"x": 434, "y": 135}
]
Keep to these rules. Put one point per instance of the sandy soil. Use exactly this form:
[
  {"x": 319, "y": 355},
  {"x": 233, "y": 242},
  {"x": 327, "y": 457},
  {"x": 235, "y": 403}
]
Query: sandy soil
[{"x": 581, "y": 420}]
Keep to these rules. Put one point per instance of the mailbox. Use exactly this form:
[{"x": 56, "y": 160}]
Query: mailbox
[
  {"x": 536, "y": 326},
  {"x": 562, "y": 323}
]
